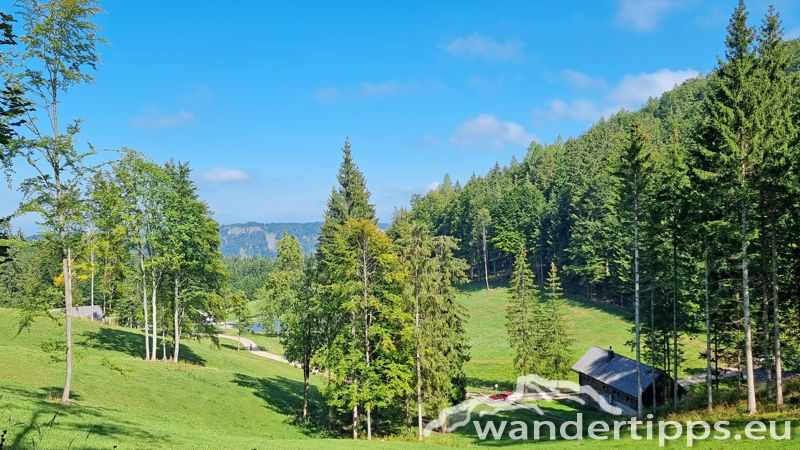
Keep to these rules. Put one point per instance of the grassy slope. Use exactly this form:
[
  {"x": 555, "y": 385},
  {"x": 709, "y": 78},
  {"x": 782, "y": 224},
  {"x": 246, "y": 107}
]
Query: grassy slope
[
  {"x": 592, "y": 323},
  {"x": 222, "y": 399},
  {"x": 228, "y": 399}
]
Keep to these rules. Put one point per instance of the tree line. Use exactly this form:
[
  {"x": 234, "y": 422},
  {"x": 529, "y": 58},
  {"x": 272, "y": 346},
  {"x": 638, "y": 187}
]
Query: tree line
[
  {"x": 131, "y": 236},
  {"x": 684, "y": 213}
]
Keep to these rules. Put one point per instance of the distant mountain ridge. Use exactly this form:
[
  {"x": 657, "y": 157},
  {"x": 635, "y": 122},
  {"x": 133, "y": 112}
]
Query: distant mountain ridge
[{"x": 253, "y": 238}]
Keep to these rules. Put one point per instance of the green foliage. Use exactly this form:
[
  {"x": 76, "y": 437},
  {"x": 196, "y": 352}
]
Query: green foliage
[
  {"x": 238, "y": 306},
  {"x": 440, "y": 346},
  {"x": 365, "y": 360},
  {"x": 525, "y": 318},
  {"x": 249, "y": 273},
  {"x": 556, "y": 337}
]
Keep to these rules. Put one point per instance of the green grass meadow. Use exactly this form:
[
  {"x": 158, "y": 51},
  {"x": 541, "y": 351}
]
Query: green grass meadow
[{"x": 219, "y": 398}]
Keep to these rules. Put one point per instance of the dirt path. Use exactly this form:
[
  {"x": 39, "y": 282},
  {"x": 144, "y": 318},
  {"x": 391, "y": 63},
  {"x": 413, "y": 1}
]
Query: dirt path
[{"x": 247, "y": 344}]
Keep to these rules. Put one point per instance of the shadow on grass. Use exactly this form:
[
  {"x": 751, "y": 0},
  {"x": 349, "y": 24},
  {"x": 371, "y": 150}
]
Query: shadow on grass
[
  {"x": 489, "y": 383},
  {"x": 131, "y": 343},
  {"x": 285, "y": 396},
  {"x": 475, "y": 286},
  {"x": 48, "y": 412}
]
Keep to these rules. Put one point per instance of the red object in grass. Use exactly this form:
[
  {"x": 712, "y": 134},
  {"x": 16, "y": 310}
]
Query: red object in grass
[{"x": 501, "y": 396}]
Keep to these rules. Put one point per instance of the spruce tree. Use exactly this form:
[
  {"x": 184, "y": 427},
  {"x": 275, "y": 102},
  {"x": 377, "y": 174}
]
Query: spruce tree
[
  {"x": 634, "y": 160},
  {"x": 524, "y": 320},
  {"x": 779, "y": 132},
  {"x": 348, "y": 201},
  {"x": 729, "y": 140},
  {"x": 556, "y": 339}
]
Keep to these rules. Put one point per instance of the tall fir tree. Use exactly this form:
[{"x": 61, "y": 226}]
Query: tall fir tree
[
  {"x": 556, "y": 339},
  {"x": 524, "y": 321},
  {"x": 729, "y": 137}
]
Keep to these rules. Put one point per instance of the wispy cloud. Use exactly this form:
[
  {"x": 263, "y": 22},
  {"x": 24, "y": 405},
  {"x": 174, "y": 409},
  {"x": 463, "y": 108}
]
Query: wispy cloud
[
  {"x": 476, "y": 46},
  {"x": 794, "y": 33},
  {"x": 633, "y": 90},
  {"x": 391, "y": 88},
  {"x": 646, "y": 15},
  {"x": 577, "y": 110},
  {"x": 488, "y": 132},
  {"x": 196, "y": 93},
  {"x": 330, "y": 94},
  {"x": 631, "y": 93},
  {"x": 155, "y": 118},
  {"x": 224, "y": 175},
  {"x": 401, "y": 195},
  {"x": 477, "y": 81},
  {"x": 429, "y": 141},
  {"x": 580, "y": 80}
]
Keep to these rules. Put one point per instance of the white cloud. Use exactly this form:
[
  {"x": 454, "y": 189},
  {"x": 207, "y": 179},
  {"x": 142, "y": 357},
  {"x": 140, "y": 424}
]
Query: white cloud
[
  {"x": 428, "y": 141},
  {"x": 433, "y": 186},
  {"x": 633, "y": 90},
  {"x": 477, "y": 46},
  {"x": 646, "y": 15},
  {"x": 630, "y": 93},
  {"x": 577, "y": 110},
  {"x": 154, "y": 118},
  {"x": 224, "y": 175},
  {"x": 330, "y": 94},
  {"x": 580, "y": 80},
  {"x": 486, "y": 131}
]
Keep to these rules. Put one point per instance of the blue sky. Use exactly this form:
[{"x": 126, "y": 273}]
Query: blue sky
[{"x": 259, "y": 96}]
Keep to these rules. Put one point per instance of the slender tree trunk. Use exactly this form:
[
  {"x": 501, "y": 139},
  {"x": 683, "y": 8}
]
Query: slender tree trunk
[
  {"x": 709, "y": 381},
  {"x": 766, "y": 325},
  {"x": 776, "y": 317},
  {"x": 366, "y": 353},
  {"x": 369, "y": 422},
  {"x": 153, "y": 295},
  {"x": 355, "y": 420},
  {"x": 485, "y": 259},
  {"x": 67, "y": 270},
  {"x": 676, "y": 362},
  {"x": 418, "y": 357},
  {"x": 716, "y": 360},
  {"x": 639, "y": 404},
  {"x": 91, "y": 294},
  {"x": 177, "y": 322},
  {"x": 144, "y": 303},
  {"x": 306, "y": 376},
  {"x": 163, "y": 345},
  {"x": 653, "y": 348},
  {"x": 748, "y": 336},
  {"x": 408, "y": 413}
]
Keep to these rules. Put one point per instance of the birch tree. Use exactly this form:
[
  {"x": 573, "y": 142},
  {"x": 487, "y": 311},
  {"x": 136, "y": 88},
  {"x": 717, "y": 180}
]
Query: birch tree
[{"x": 59, "y": 42}]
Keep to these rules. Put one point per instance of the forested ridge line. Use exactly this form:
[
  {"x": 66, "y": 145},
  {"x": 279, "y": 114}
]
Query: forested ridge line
[{"x": 685, "y": 212}]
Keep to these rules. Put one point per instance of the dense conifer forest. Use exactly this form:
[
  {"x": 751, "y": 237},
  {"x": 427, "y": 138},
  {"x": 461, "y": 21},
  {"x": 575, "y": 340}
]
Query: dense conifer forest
[{"x": 683, "y": 216}]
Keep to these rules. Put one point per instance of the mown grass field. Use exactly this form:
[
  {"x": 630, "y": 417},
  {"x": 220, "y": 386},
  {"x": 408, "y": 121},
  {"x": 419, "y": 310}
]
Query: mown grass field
[
  {"x": 223, "y": 399},
  {"x": 591, "y": 323}
]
